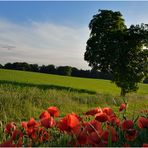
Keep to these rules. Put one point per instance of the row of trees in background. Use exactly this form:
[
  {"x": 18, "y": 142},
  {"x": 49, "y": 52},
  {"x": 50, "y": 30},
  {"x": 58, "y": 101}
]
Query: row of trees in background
[{"x": 60, "y": 70}]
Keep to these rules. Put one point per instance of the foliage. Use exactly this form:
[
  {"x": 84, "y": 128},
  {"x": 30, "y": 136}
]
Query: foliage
[
  {"x": 47, "y": 69},
  {"x": 60, "y": 70},
  {"x": 64, "y": 70},
  {"x": 146, "y": 80},
  {"x": 18, "y": 66},
  {"x": 96, "y": 127},
  {"x": 116, "y": 49},
  {"x": 34, "y": 67},
  {"x": 1, "y": 66}
]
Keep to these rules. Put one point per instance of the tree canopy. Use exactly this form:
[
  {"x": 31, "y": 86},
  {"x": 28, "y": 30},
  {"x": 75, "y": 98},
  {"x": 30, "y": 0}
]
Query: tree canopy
[{"x": 113, "y": 48}]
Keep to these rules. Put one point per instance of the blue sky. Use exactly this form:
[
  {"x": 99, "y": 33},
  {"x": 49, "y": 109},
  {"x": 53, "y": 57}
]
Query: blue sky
[{"x": 55, "y": 32}]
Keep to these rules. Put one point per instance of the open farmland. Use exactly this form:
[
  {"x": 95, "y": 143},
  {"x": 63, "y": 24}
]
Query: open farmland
[
  {"x": 26, "y": 94},
  {"x": 63, "y": 82}
]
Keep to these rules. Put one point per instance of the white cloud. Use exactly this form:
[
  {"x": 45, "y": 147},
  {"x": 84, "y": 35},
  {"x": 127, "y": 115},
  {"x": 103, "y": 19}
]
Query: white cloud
[{"x": 43, "y": 43}]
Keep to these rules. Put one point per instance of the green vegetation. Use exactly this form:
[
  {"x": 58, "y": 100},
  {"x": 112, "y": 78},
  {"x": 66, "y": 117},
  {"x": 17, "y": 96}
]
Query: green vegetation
[
  {"x": 62, "y": 82},
  {"x": 19, "y": 103},
  {"x": 26, "y": 94},
  {"x": 115, "y": 49}
]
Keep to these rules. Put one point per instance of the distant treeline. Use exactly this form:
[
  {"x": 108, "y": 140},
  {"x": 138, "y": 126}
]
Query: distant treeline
[
  {"x": 52, "y": 69},
  {"x": 60, "y": 70}
]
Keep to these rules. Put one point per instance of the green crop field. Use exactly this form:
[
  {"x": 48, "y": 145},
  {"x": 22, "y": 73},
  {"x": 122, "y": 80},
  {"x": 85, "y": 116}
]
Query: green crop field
[
  {"x": 27, "y": 94},
  {"x": 55, "y": 81}
]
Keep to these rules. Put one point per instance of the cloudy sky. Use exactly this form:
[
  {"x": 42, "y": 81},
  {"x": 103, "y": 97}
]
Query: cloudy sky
[{"x": 55, "y": 32}]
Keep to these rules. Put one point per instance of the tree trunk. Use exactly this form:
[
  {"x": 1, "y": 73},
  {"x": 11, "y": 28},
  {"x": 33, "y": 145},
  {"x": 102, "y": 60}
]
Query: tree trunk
[{"x": 122, "y": 92}]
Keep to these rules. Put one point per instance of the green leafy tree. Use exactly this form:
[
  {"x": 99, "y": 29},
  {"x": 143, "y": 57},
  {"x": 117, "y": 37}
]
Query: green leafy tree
[
  {"x": 115, "y": 49},
  {"x": 34, "y": 67},
  {"x": 64, "y": 70},
  {"x": 1, "y": 66}
]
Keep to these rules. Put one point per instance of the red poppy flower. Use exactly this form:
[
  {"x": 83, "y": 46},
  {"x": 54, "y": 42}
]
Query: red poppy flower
[
  {"x": 77, "y": 130},
  {"x": 16, "y": 134},
  {"x": 32, "y": 123},
  {"x": 54, "y": 111},
  {"x": 62, "y": 124},
  {"x": 93, "y": 139},
  {"x": 86, "y": 133},
  {"x": 68, "y": 123},
  {"x": 109, "y": 132},
  {"x": 44, "y": 114},
  {"x": 96, "y": 126},
  {"x": 78, "y": 117},
  {"x": 24, "y": 124},
  {"x": 47, "y": 122},
  {"x": 122, "y": 106},
  {"x": 33, "y": 135},
  {"x": 131, "y": 134},
  {"x": 142, "y": 122},
  {"x": 127, "y": 124},
  {"x": 145, "y": 145},
  {"x": 81, "y": 139},
  {"x": 44, "y": 135},
  {"x": 92, "y": 126},
  {"x": 108, "y": 111},
  {"x": 72, "y": 120},
  {"x": 10, "y": 127},
  {"x": 114, "y": 121},
  {"x": 8, "y": 143},
  {"x": 94, "y": 111},
  {"x": 32, "y": 127},
  {"x": 101, "y": 117}
]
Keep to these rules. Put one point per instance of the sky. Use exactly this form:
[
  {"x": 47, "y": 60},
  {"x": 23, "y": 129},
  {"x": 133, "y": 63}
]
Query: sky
[{"x": 56, "y": 32}]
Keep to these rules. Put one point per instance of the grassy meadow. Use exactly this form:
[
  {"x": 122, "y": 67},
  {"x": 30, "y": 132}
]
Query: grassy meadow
[
  {"x": 27, "y": 94},
  {"x": 50, "y": 81}
]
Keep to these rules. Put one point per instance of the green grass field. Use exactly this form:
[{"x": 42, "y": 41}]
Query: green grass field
[
  {"x": 55, "y": 81},
  {"x": 27, "y": 94}
]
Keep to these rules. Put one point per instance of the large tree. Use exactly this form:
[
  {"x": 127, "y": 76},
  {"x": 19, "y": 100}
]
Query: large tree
[{"x": 113, "y": 48}]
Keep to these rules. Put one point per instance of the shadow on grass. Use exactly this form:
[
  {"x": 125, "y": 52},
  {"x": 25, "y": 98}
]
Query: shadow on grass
[{"x": 44, "y": 86}]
